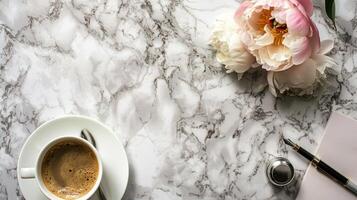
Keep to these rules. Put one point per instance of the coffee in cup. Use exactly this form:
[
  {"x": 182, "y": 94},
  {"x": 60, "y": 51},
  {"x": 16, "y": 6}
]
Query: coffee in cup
[{"x": 69, "y": 169}]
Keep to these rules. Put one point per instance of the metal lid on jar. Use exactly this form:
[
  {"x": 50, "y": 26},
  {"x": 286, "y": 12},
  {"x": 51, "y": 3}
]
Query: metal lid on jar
[{"x": 280, "y": 171}]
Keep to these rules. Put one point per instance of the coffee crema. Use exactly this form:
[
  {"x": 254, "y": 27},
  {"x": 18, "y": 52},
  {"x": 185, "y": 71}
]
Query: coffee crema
[{"x": 69, "y": 169}]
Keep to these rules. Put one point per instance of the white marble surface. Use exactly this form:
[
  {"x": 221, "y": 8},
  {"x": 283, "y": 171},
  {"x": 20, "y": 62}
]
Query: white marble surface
[{"x": 144, "y": 68}]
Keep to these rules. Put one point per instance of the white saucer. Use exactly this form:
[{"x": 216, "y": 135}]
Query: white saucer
[{"x": 115, "y": 162}]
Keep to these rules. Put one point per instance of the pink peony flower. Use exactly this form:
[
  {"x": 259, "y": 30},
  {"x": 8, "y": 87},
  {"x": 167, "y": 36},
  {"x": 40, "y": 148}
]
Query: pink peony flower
[{"x": 279, "y": 33}]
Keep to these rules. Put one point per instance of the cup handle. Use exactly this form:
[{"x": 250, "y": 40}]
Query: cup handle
[{"x": 27, "y": 173}]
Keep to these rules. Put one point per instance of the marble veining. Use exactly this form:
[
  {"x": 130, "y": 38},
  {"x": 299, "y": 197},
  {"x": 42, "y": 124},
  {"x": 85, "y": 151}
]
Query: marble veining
[{"x": 144, "y": 68}]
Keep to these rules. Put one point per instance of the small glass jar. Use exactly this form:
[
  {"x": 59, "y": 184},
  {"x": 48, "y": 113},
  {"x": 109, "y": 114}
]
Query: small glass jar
[{"x": 280, "y": 171}]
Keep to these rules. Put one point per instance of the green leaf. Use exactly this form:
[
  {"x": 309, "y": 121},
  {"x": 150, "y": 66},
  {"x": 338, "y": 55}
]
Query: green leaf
[{"x": 330, "y": 10}]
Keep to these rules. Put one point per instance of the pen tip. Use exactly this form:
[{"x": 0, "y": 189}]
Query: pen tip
[{"x": 288, "y": 142}]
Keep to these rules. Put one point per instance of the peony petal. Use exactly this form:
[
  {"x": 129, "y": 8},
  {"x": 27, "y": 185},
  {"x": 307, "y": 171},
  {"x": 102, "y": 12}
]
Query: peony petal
[
  {"x": 266, "y": 4},
  {"x": 254, "y": 23},
  {"x": 300, "y": 76},
  {"x": 299, "y": 46},
  {"x": 279, "y": 53},
  {"x": 326, "y": 46},
  {"x": 315, "y": 38},
  {"x": 270, "y": 78},
  {"x": 242, "y": 7},
  {"x": 266, "y": 39},
  {"x": 269, "y": 64},
  {"x": 307, "y": 4},
  {"x": 279, "y": 15},
  {"x": 275, "y": 58},
  {"x": 239, "y": 61},
  {"x": 297, "y": 23},
  {"x": 323, "y": 62}
]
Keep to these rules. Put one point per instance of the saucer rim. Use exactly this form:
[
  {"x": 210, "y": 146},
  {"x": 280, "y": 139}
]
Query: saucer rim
[{"x": 65, "y": 117}]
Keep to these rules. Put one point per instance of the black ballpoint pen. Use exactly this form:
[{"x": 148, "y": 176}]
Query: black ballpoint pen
[{"x": 324, "y": 168}]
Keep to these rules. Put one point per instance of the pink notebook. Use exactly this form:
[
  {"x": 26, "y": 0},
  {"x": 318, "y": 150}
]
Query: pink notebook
[{"x": 338, "y": 148}]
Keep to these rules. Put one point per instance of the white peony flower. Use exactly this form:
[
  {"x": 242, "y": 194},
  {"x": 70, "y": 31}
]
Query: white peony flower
[{"x": 230, "y": 51}]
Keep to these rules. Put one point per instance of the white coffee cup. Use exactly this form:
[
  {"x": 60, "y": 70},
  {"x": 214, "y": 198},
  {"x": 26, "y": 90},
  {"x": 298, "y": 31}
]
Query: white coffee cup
[{"x": 35, "y": 172}]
